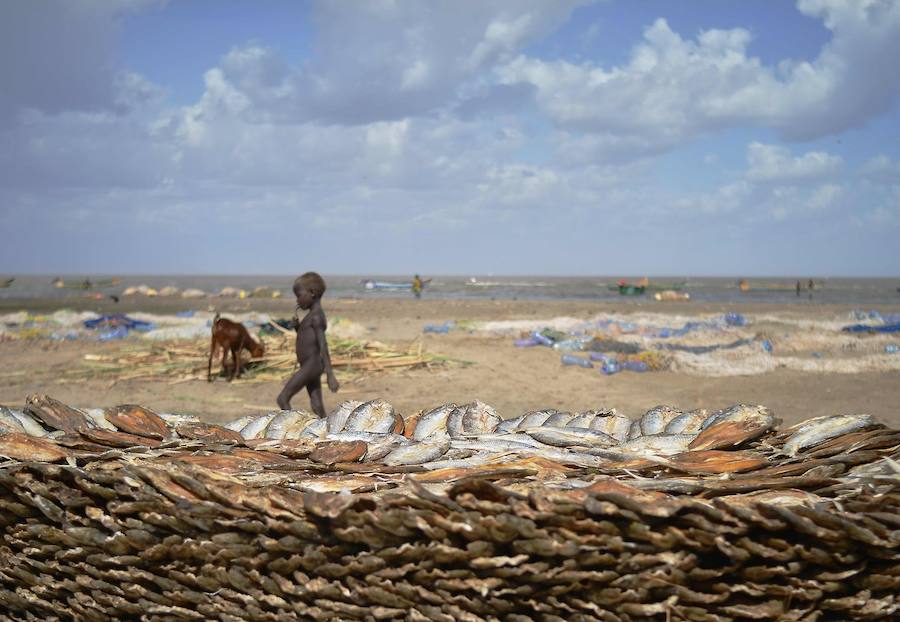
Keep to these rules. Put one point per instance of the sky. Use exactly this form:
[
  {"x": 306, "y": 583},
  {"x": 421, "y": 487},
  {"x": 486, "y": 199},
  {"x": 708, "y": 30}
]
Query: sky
[{"x": 558, "y": 137}]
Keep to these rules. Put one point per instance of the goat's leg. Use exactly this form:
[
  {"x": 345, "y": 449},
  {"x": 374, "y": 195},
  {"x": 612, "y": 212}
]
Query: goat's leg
[
  {"x": 212, "y": 352},
  {"x": 236, "y": 359},
  {"x": 224, "y": 360},
  {"x": 237, "y": 356}
]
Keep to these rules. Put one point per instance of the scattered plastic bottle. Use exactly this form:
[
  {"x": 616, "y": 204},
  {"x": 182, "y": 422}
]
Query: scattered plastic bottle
[
  {"x": 610, "y": 367},
  {"x": 526, "y": 343},
  {"x": 570, "y": 359},
  {"x": 542, "y": 339},
  {"x": 571, "y": 345},
  {"x": 735, "y": 319},
  {"x": 767, "y": 345},
  {"x": 599, "y": 356},
  {"x": 638, "y": 366},
  {"x": 436, "y": 328},
  {"x": 891, "y": 348}
]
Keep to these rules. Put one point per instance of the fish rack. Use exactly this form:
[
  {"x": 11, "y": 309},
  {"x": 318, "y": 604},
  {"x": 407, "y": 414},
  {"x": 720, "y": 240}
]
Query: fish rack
[{"x": 176, "y": 519}]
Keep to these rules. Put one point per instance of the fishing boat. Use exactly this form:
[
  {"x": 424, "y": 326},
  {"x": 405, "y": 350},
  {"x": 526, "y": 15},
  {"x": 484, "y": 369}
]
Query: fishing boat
[
  {"x": 85, "y": 284},
  {"x": 628, "y": 289},
  {"x": 370, "y": 284}
]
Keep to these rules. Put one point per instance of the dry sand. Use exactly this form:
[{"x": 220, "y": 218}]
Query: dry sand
[{"x": 511, "y": 379}]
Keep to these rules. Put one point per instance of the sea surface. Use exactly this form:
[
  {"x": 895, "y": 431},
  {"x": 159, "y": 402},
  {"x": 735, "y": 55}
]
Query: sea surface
[{"x": 853, "y": 291}]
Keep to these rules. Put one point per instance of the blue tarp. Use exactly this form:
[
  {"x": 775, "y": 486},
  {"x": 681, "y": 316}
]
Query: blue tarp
[
  {"x": 866, "y": 328},
  {"x": 117, "y": 326}
]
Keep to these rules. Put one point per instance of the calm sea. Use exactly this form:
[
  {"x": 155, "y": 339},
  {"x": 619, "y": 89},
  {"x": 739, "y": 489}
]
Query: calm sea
[{"x": 855, "y": 291}]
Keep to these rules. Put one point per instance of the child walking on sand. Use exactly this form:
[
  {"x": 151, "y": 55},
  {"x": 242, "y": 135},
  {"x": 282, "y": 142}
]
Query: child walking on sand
[{"x": 312, "y": 349}]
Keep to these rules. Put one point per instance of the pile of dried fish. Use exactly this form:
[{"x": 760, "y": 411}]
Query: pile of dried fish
[{"x": 588, "y": 516}]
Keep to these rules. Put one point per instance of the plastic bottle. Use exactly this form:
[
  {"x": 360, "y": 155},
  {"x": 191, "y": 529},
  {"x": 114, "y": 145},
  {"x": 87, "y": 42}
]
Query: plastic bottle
[
  {"x": 891, "y": 348},
  {"x": 767, "y": 345},
  {"x": 610, "y": 367},
  {"x": 635, "y": 366},
  {"x": 570, "y": 359},
  {"x": 599, "y": 356},
  {"x": 526, "y": 343},
  {"x": 541, "y": 339},
  {"x": 571, "y": 345}
]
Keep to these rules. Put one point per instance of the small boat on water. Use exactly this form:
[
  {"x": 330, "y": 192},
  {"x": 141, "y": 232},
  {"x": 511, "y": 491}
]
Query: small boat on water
[
  {"x": 370, "y": 284},
  {"x": 7, "y": 282},
  {"x": 628, "y": 289},
  {"x": 85, "y": 284},
  {"x": 644, "y": 285}
]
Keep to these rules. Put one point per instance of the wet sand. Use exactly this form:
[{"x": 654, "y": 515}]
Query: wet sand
[{"x": 511, "y": 379}]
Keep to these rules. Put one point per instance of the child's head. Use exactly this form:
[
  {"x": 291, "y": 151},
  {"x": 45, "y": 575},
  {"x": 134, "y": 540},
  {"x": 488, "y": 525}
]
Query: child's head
[{"x": 308, "y": 288}]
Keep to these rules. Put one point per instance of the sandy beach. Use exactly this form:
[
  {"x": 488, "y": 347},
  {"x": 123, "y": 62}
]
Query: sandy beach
[{"x": 513, "y": 380}]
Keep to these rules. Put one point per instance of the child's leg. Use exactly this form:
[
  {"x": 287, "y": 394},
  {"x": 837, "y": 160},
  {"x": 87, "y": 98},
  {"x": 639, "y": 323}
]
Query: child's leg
[
  {"x": 296, "y": 382},
  {"x": 314, "y": 389}
]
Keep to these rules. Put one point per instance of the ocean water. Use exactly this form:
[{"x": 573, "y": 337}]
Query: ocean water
[{"x": 864, "y": 292}]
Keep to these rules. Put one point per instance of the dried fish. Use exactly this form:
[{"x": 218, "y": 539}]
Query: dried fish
[
  {"x": 9, "y": 422},
  {"x": 687, "y": 423},
  {"x": 433, "y": 421},
  {"x": 569, "y": 436},
  {"x": 138, "y": 420},
  {"x": 337, "y": 418},
  {"x": 372, "y": 416},
  {"x": 417, "y": 453},
  {"x": 317, "y": 428},
  {"x": 657, "y": 418},
  {"x": 659, "y": 444},
  {"x": 28, "y": 423},
  {"x": 509, "y": 425},
  {"x": 237, "y": 424},
  {"x": 614, "y": 424},
  {"x": 257, "y": 426},
  {"x": 55, "y": 414},
  {"x": 820, "y": 429},
  {"x": 535, "y": 418},
  {"x": 97, "y": 418},
  {"x": 23, "y": 447},
  {"x": 479, "y": 418},
  {"x": 289, "y": 424}
]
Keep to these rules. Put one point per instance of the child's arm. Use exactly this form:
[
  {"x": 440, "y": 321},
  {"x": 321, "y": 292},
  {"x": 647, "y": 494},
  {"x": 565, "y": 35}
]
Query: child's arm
[{"x": 326, "y": 357}]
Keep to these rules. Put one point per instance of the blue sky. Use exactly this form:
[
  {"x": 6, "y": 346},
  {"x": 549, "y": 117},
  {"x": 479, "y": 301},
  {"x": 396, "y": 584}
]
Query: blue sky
[{"x": 710, "y": 137}]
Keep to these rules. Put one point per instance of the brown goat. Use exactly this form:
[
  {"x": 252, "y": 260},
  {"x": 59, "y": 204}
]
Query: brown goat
[{"x": 231, "y": 337}]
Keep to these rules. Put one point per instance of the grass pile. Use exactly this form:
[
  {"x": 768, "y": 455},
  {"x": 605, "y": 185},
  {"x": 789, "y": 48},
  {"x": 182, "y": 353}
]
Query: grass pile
[{"x": 185, "y": 361}]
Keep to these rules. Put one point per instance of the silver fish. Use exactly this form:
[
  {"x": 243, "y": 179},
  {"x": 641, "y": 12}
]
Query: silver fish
[
  {"x": 315, "y": 429},
  {"x": 569, "y": 437},
  {"x": 614, "y": 424},
  {"x": 257, "y": 427},
  {"x": 172, "y": 420},
  {"x": 372, "y": 416},
  {"x": 337, "y": 418},
  {"x": 659, "y": 444},
  {"x": 381, "y": 447},
  {"x": 435, "y": 420},
  {"x": 417, "y": 453},
  {"x": 655, "y": 420},
  {"x": 687, "y": 423},
  {"x": 97, "y": 418},
  {"x": 289, "y": 424},
  {"x": 516, "y": 437},
  {"x": 455, "y": 422},
  {"x": 31, "y": 425},
  {"x": 582, "y": 420},
  {"x": 559, "y": 419},
  {"x": 634, "y": 431},
  {"x": 480, "y": 418},
  {"x": 494, "y": 444},
  {"x": 479, "y": 459},
  {"x": 509, "y": 425},
  {"x": 236, "y": 425},
  {"x": 536, "y": 418},
  {"x": 9, "y": 423},
  {"x": 819, "y": 429}
]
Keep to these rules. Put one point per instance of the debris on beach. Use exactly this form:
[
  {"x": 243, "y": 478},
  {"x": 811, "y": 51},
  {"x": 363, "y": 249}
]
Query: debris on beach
[
  {"x": 474, "y": 518},
  {"x": 725, "y": 345}
]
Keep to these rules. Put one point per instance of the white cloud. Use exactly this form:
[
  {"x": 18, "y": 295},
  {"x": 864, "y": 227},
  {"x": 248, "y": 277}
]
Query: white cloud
[
  {"x": 882, "y": 169},
  {"x": 673, "y": 89},
  {"x": 773, "y": 163}
]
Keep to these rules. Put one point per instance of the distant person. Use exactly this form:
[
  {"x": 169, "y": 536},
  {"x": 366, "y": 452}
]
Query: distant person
[
  {"x": 799, "y": 287},
  {"x": 417, "y": 286},
  {"x": 810, "y": 286},
  {"x": 312, "y": 348}
]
